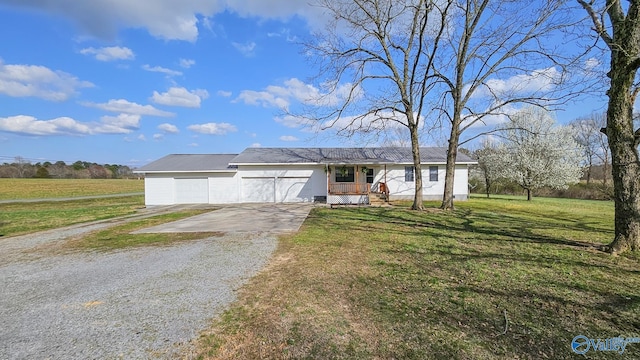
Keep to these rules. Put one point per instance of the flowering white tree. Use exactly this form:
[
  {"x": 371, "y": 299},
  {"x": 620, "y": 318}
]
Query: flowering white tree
[
  {"x": 489, "y": 158},
  {"x": 536, "y": 153}
]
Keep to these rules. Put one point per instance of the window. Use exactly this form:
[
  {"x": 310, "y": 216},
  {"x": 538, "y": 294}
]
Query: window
[
  {"x": 345, "y": 174},
  {"x": 433, "y": 173},
  {"x": 369, "y": 176},
  {"x": 408, "y": 173}
]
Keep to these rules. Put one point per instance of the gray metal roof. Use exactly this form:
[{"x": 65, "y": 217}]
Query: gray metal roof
[
  {"x": 190, "y": 163},
  {"x": 363, "y": 156},
  {"x": 380, "y": 155}
]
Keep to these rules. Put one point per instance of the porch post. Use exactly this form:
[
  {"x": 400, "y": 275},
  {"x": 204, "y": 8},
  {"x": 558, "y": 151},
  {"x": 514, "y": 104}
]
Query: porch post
[
  {"x": 386, "y": 186},
  {"x": 357, "y": 182},
  {"x": 328, "y": 179}
]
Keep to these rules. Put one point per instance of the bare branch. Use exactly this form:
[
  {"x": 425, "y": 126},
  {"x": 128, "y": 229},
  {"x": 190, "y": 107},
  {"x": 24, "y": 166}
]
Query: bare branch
[{"x": 598, "y": 23}]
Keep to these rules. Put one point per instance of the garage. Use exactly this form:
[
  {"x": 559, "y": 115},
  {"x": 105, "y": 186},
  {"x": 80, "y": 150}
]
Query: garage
[
  {"x": 258, "y": 190},
  {"x": 192, "y": 190},
  {"x": 271, "y": 189}
]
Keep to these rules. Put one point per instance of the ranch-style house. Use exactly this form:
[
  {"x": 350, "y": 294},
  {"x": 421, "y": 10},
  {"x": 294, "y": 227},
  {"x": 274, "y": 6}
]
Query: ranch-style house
[{"x": 284, "y": 175}]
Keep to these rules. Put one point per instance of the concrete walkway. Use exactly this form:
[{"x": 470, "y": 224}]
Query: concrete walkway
[{"x": 269, "y": 218}]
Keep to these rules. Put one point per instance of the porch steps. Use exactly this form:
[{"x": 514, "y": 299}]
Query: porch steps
[{"x": 378, "y": 199}]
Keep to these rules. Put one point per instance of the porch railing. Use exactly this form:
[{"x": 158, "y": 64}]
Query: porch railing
[{"x": 349, "y": 188}]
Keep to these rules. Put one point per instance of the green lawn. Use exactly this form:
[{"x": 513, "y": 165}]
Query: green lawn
[
  {"x": 495, "y": 279},
  {"x": 11, "y": 189},
  {"x": 23, "y": 218}
]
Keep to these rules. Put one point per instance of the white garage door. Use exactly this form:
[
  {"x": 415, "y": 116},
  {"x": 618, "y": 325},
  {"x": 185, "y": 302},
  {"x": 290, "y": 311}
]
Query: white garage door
[
  {"x": 192, "y": 191},
  {"x": 258, "y": 190},
  {"x": 294, "y": 190}
]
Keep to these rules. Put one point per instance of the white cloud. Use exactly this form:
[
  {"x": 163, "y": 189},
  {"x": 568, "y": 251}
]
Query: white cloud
[
  {"x": 158, "y": 137},
  {"x": 121, "y": 124},
  {"x": 127, "y": 107},
  {"x": 160, "y": 69},
  {"x": 187, "y": 63},
  {"x": 193, "y": 145},
  {"x": 213, "y": 128},
  {"x": 291, "y": 121},
  {"x": 591, "y": 64},
  {"x": 111, "y": 53},
  {"x": 288, "y": 138},
  {"x": 284, "y": 33},
  {"x": 178, "y": 96},
  {"x": 541, "y": 80},
  {"x": 141, "y": 137},
  {"x": 255, "y": 145},
  {"x": 245, "y": 49},
  {"x": 168, "y": 128},
  {"x": 224, "y": 93},
  {"x": 38, "y": 81},
  {"x": 294, "y": 89},
  {"x": 165, "y": 19},
  {"x": 29, "y": 125}
]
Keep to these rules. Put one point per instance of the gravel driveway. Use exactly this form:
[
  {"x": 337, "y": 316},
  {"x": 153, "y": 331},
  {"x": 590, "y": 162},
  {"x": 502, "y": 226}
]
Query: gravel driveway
[{"x": 148, "y": 302}]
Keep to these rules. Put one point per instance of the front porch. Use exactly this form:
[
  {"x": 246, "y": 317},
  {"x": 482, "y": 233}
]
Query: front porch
[{"x": 356, "y": 185}]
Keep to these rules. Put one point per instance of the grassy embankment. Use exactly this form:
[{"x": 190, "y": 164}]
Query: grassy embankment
[
  {"x": 23, "y": 218},
  {"x": 496, "y": 279}
]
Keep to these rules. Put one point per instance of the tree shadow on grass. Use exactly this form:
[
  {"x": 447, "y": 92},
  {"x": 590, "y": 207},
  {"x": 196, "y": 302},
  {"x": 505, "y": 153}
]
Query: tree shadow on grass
[
  {"x": 545, "y": 308},
  {"x": 493, "y": 225}
]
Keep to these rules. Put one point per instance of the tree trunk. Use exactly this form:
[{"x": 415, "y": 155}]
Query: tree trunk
[
  {"x": 624, "y": 45},
  {"x": 415, "y": 150},
  {"x": 528, "y": 194},
  {"x": 452, "y": 153},
  {"x": 625, "y": 162},
  {"x": 487, "y": 184},
  {"x": 605, "y": 170}
]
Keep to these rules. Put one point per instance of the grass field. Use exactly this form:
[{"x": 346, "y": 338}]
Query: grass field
[
  {"x": 12, "y": 189},
  {"x": 23, "y": 218},
  {"x": 495, "y": 279}
]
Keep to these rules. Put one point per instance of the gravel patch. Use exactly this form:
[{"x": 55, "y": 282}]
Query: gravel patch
[{"x": 143, "y": 303}]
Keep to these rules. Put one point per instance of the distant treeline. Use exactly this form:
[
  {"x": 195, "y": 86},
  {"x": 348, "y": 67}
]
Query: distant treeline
[{"x": 61, "y": 170}]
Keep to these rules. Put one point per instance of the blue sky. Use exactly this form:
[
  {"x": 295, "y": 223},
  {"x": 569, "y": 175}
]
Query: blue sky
[{"x": 128, "y": 82}]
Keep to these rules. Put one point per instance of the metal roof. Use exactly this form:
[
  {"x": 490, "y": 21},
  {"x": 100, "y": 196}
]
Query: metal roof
[
  {"x": 191, "y": 163},
  {"x": 258, "y": 156},
  {"x": 379, "y": 155}
]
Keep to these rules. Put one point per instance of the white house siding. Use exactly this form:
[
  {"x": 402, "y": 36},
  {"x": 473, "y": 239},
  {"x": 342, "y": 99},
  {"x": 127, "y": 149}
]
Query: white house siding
[
  {"x": 431, "y": 190},
  {"x": 223, "y": 188},
  {"x": 461, "y": 182},
  {"x": 282, "y": 183},
  {"x": 191, "y": 190}
]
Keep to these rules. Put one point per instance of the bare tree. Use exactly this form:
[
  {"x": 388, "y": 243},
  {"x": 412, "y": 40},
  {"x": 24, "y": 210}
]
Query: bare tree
[
  {"x": 586, "y": 132},
  {"x": 386, "y": 46},
  {"x": 618, "y": 27},
  {"x": 495, "y": 59},
  {"x": 424, "y": 61}
]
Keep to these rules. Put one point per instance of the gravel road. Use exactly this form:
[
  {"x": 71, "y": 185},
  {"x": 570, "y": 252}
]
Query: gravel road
[{"x": 143, "y": 303}]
